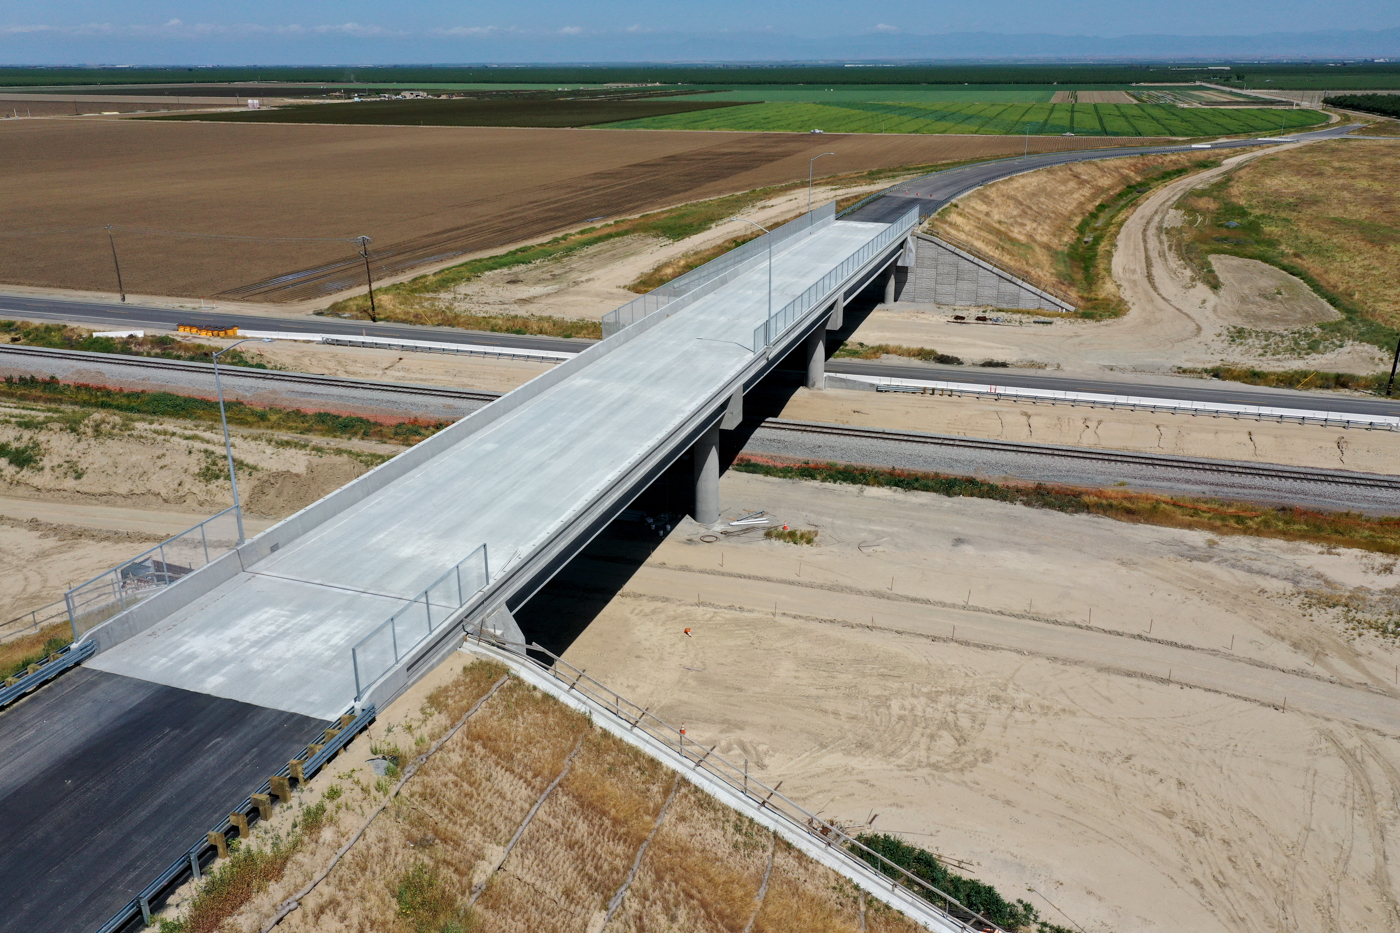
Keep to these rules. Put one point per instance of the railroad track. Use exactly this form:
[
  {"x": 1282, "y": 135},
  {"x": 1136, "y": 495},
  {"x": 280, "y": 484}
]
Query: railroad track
[
  {"x": 1162, "y": 461},
  {"x": 352, "y": 387},
  {"x": 272, "y": 376}
]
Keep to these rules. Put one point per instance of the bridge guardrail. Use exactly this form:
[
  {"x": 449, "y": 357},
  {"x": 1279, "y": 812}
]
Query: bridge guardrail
[
  {"x": 377, "y": 653},
  {"x": 40, "y": 673},
  {"x": 602, "y": 701},
  {"x": 682, "y": 285},
  {"x": 149, "y": 572},
  {"x": 771, "y": 330},
  {"x": 189, "y": 865}
]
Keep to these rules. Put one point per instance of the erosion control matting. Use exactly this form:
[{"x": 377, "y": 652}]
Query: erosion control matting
[{"x": 105, "y": 780}]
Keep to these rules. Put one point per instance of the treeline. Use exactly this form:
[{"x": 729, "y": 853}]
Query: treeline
[{"x": 1387, "y": 105}]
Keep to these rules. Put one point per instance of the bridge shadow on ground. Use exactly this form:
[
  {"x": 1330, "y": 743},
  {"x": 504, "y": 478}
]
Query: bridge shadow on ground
[{"x": 569, "y": 603}]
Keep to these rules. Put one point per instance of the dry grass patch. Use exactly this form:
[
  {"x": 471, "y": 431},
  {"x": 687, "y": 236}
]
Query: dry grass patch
[
  {"x": 19, "y": 653},
  {"x": 1328, "y": 213},
  {"x": 1032, "y": 222},
  {"x": 419, "y": 861}
]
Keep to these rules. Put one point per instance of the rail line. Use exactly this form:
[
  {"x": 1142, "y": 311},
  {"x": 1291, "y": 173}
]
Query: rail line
[
  {"x": 1275, "y": 472},
  {"x": 1227, "y": 467},
  {"x": 267, "y": 375}
]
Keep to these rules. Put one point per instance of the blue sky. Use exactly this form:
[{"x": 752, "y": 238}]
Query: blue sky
[{"x": 258, "y": 31}]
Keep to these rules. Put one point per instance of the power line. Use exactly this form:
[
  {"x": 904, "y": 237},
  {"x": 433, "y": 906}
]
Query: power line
[{"x": 142, "y": 231}]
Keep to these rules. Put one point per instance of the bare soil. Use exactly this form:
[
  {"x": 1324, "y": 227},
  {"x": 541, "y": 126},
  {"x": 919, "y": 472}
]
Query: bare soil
[
  {"x": 1028, "y": 692},
  {"x": 421, "y": 193}
]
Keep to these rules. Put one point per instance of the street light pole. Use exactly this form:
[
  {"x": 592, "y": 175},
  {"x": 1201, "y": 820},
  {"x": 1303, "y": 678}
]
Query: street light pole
[
  {"x": 766, "y": 335},
  {"x": 809, "y": 178},
  {"x": 112, "y": 241},
  {"x": 363, "y": 246},
  {"x": 228, "y": 445}
]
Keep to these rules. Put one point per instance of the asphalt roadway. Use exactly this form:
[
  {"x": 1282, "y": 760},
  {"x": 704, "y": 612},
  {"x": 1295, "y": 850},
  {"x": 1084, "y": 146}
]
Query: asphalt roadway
[
  {"x": 105, "y": 780},
  {"x": 120, "y": 317}
]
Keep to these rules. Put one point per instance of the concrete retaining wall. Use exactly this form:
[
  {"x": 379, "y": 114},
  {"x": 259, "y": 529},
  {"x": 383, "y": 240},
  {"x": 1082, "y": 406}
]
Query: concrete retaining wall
[{"x": 943, "y": 274}]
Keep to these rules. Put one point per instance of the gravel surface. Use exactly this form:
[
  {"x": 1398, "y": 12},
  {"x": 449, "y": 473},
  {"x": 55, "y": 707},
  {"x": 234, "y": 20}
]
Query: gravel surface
[{"x": 1228, "y": 479}]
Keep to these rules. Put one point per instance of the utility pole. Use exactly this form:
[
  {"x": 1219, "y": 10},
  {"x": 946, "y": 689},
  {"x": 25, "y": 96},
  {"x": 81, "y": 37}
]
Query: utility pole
[
  {"x": 1394, "y": 363},
  {"x": 362, "y": 244},
  {"x": 112, "y": 241}
]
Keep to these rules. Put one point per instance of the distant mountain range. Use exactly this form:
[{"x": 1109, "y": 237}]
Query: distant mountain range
[
  {"x": 176, "y": 43},
  {"x": 891, "y": 45}
]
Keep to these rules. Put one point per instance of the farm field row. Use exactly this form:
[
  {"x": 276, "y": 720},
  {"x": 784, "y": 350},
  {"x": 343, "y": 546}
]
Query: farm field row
[
  {"x": 984, "y": 118},
  {"x": 424, "y": 194},
  {"x": 909, "y": 93}
]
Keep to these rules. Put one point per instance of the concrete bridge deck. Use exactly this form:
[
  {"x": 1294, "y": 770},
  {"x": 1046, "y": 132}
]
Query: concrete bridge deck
[{"x": 279, "y": 632}]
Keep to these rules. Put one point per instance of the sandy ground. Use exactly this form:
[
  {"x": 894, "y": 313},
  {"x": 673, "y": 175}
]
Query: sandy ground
[
  {"x": 1174, "y": 320},
  {"x": 1182, "y": 435},
  {"x": 1084, "y": 709},
  {"x": 592, "y": 282},
  {"x": 108, "y": 488},
  {"x": 462, "y": 372}
]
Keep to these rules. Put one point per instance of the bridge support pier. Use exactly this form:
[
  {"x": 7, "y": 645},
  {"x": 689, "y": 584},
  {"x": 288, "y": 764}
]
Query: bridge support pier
[
  {"x": 889, "y": 286},
  {"x": 706, "y": 451},
  {"x": 838, "y": 313},
  {"x": 816, "y": 359}
]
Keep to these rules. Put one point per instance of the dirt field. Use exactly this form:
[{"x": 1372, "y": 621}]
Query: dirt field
[
  {"x": 422, "y": 194},
  {"x": 1078, "y": 708},
  {"x": 105, "y": 487}
]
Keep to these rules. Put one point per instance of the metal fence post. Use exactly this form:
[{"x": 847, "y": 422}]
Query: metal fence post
[
  {"x": 394, "y": 635},
  {"x": 205, "y": 538},
  {"x": 355, "y": 661},
  {"x": 72, "y": 615}
]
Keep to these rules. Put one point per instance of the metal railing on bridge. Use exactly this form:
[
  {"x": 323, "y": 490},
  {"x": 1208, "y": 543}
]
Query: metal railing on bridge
[
  {"x": 378, "y": 652},
  {"x": 773, "y": 329},
  {"x": 116, "y": 590},
  {"x": 728, "y": 264}
]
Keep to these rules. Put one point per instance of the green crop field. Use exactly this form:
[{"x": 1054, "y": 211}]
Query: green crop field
[{"x": 997, "y": 118}]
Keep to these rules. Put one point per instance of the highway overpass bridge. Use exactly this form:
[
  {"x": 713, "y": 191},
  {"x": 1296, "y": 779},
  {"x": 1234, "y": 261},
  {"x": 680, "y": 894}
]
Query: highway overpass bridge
[{"x": 349, "y": 601}]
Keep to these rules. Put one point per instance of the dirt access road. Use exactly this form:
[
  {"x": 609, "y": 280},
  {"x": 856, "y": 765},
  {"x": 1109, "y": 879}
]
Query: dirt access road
[{"x": 1078, "y": 707}]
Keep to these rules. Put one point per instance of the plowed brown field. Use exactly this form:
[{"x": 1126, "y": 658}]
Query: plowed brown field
[{"x": 424, "y": 194}]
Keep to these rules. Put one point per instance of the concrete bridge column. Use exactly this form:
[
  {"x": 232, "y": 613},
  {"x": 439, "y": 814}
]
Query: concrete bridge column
[
  {"x": 889, "y": 286},
  {"x": 706, "y": 452},
  {"x": 816, "y": 359},
  {"x": 838, "y": 313}
]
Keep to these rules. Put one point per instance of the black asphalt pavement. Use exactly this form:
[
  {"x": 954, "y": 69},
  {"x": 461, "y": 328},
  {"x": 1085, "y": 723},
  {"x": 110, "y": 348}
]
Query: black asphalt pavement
[
  {"x": 116, "y": 316},
  {"x": 105, "y": 780}
]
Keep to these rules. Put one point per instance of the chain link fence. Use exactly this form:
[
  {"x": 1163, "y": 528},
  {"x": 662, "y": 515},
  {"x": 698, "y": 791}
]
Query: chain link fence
[{"x": 114, "y": 591}]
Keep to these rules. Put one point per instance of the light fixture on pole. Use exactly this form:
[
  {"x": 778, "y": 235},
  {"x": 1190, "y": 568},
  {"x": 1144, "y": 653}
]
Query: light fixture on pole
[
  {"x": 770, "y": 272},
  {"x": 809, "y": 178},
  {"x": 228, "y": 445}
]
